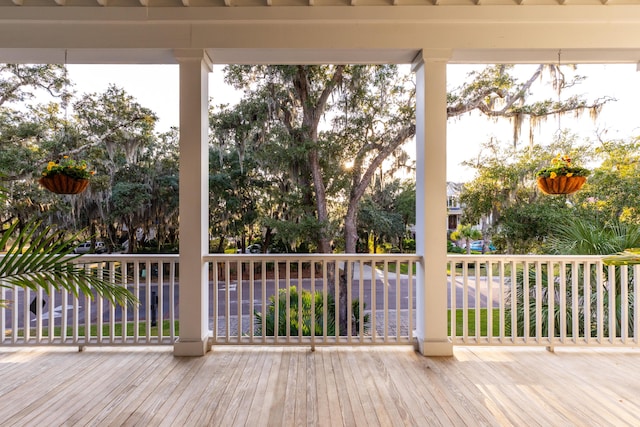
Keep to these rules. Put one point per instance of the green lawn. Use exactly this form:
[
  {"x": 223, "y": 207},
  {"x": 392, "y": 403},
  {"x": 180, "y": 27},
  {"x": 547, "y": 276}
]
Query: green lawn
[
  {"x": 404, "y": 267},
  {"x": 472, "y": 322},
  {"x": 166, "y": 323},
  {"x": 142, "y": 330}
]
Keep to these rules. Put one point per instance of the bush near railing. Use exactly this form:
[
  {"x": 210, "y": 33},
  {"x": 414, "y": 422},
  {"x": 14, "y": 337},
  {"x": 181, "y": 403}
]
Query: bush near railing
[
  {"x": 544, "y": 300},
  {"x": 300, "y": 317},
  {"x": 572, "y": 293}
]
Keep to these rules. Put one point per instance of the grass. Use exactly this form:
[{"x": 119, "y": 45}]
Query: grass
[
  {"x": 472, "y": 322},
  {"x": 142, "y": 330},
  {"x": 404, "y": 267},
  {"x": 166, "y": 323}
]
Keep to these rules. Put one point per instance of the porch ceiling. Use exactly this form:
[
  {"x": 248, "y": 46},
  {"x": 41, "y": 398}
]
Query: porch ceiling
[{"x": 319, "y": 31}]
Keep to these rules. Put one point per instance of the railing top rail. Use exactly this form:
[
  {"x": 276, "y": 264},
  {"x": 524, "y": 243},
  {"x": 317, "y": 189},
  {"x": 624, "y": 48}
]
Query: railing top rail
[
  {"x": 506, "y": 258},
  {"x": 313, "y": 257}
]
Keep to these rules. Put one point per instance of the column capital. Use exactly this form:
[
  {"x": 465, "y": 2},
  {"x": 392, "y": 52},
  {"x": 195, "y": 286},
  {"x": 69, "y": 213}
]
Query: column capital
[
  {"x": 430, "y": 55},
  {"x": 186, "y": 55}
]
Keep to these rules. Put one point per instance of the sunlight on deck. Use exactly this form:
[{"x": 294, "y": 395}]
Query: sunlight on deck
[{"x": 332, "y": 386}]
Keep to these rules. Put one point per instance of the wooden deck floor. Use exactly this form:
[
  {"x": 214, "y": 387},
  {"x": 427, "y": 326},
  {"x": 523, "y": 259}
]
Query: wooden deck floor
[{"x": 378, "y": 386}]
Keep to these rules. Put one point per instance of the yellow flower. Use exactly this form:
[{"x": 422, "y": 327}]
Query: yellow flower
[
  {"x": 553, "y": 175},
  {"x": 570, "y": 174},
  {"x": 65, "y": 157}
]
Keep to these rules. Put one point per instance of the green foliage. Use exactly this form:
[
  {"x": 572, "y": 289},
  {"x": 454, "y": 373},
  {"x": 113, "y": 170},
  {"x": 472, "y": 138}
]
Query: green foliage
[
  {"x": 582, "y": 236},
  {"x": 451, "y": 248},
  {"x": 295, "y": 311},
  {"x": 562, "y": 166},
  {"x": 304, "y": 312},
  {"x": 70, "y": 167},
  {"x": 526, "y": 319},
  {"x": 505, "y": 190},
  {"x": 40, "y": 259}
]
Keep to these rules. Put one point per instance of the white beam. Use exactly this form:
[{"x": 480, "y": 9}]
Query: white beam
[
  {"x": 431, "y": 209},
  {"x": 195, "y": 67}
]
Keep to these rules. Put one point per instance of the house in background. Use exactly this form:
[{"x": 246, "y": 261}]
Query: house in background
[{"x": 454, "y": 209}]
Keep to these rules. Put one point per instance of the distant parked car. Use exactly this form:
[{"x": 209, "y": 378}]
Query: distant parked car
[
  {"x": 252, "y": 249},
  {"x": 476, "y": 245},
  {"x": 85, "y": 247}
]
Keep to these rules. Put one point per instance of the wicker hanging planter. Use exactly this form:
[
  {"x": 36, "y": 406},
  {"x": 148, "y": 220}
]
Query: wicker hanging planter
[
  {"x": 64, "y": 184},
  {"x": 66, "y": 176},
  {"x": 561, "y": 184},
  {"x": 561, "y": 177}
]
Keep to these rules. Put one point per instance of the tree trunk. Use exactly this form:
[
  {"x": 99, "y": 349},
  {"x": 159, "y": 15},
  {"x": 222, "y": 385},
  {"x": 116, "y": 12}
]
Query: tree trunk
[{"x": 351, "y": 228}]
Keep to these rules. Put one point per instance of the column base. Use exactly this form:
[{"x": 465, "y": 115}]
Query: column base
[
  {"x": 191, "y": 348},
  {"x": 435, "y": 348}
]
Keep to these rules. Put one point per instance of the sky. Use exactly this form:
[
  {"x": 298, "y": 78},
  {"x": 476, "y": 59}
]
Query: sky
[{"x": 157, "y": 87}]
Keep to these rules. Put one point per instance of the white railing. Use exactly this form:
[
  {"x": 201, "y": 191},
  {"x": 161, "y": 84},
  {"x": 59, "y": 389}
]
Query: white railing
[
  {"x": 542, "y": 300},
  {"x": 359, "y": 299},
  {"x": 59, "y": 318}
]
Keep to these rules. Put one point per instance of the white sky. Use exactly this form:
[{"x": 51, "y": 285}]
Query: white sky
[{"x": 156, "y": 87}]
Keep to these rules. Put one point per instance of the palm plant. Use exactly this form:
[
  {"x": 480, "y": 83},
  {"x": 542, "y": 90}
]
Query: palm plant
[
  {"x": 41, "y": 258},
  {"x": 579, "y": 237},
  {"x": 304, "y": 312},
  {"x": 295, "y": 312}
]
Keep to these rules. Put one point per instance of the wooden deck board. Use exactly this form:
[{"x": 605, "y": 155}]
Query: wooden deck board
[{"x": 264, "y": 386}]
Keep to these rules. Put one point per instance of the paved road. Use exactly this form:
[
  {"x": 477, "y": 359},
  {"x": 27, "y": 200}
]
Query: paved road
[{"x": 230, "y": 296}]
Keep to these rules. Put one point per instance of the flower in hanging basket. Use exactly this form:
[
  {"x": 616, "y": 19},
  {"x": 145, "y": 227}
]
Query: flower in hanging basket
[
  {"x": 561, "y": 177},
  {"x": 66, "y": 176}
]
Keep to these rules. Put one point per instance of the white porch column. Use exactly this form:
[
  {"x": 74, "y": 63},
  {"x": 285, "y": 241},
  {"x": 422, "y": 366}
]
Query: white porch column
[
  {"x": 195, "y": 67},
  {"x": 431, "y": 202}
]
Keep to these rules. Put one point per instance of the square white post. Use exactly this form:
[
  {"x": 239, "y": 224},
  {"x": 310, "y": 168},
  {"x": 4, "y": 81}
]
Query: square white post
[
  {"x": 195, "y": 67},
  {"x": 430, "y": 68}
]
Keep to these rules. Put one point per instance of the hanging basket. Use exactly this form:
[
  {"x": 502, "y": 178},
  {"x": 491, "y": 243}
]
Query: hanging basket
[
  {"x": 561, "y": 184},
  {"x": 64, "y": 184}
]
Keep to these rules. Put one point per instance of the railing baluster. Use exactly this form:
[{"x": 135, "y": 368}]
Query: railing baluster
[
  {"x": 398, "y": 293},
  {"x": 240, "y": 276},
  {"x": 263, "y": 277},
  {"x": 586, "y": 304},
  {"x": 410, "y": 311},
  {"x": 453, "y": 314},
  {"x": 313, "y": 305},
  {"x": 325, "y": 303},
  {"x": 276, "y": 320},
  {"x": 361, "y": 302},
  {"x": 385, "y": 284},
  {"x": 227, "y": 300},
  {"x": 489, "y": 272},
  {"x": 611, "y": 303},
  {"x": 336, "y": 288},
  {"x": 636, "y": 302},
  {"x": 112, "y": 307},
  {"x": 172, "y": 299},
  {"x": 374, "y": 313},
  {"x": 624, "y": 303},
  {"x": 550, "y": 302},
  {"x": 538, "y": 299},
  {"x": 349, "y": 299},
  {"x": 501, "y": 326},
  {"x": 514, "y": 301},
  {"x": 252, "y": 296},
  {"x": 465, "y": 301},
  {"x": 478, "y": 299}
]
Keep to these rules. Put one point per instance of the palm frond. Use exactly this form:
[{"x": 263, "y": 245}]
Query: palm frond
[{"x": 42, "y": 259}]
